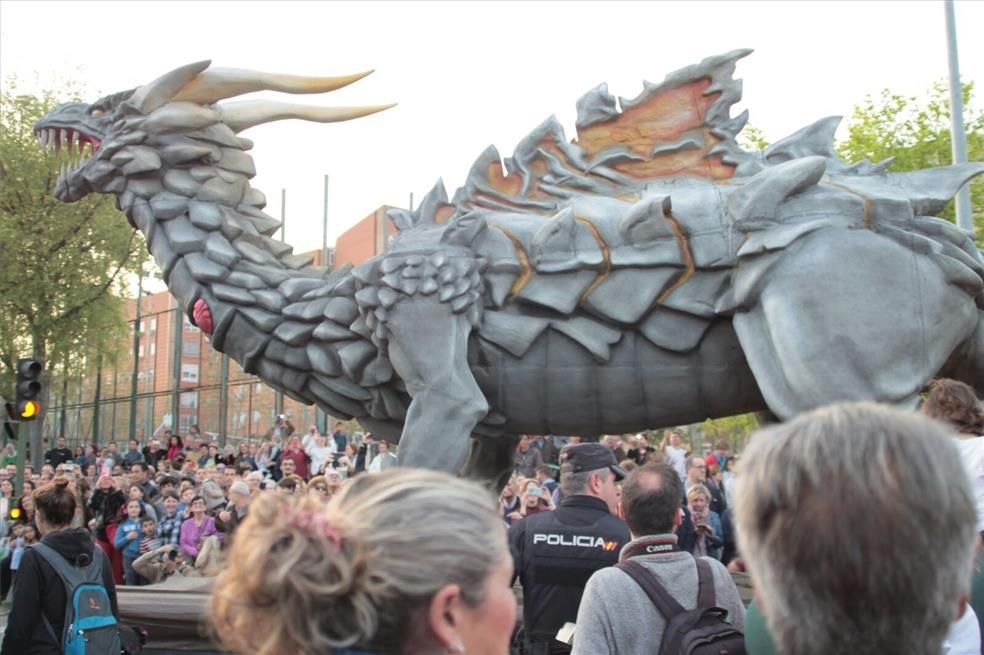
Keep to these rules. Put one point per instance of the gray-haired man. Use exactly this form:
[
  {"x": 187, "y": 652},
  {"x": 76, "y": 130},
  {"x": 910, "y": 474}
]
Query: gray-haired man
[
  {"x": 857, "y": 525},
  {"x": 616, "y": 616}
]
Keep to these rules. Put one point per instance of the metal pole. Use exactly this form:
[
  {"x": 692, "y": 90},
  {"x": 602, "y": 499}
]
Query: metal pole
[
  {"x": 116, "y": 378},
  {"x": 176, "y": 393},
  {"x": 319, "y": 414},
  {"x": 21, "y": 447},
  {"x": 283, "y": 213},
  {"x": 79, "y": 432},
  {"x": 64, "y": 400},
  {"x": 249, "y": 408},
  {"x": 95, "y": 401},
  {"x": 965, "y": 217},
  {"x": 324, "y": 228},
  {"x": 278, "y": 397},
  {"x": 136, "y": 361},
  {"x": 224, "y": 401}
]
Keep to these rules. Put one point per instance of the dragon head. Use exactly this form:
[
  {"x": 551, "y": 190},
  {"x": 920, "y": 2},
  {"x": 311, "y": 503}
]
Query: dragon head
[
  {"x": 80, "y": 130},
  {"x": 178, "y": 118}
]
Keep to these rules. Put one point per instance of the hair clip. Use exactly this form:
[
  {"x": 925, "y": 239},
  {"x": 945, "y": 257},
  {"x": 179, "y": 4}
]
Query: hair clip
[{"x": 317, "y": 525}]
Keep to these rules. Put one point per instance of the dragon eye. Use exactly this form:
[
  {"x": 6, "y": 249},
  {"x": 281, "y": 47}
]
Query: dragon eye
[{"x": 96, "y": 112}]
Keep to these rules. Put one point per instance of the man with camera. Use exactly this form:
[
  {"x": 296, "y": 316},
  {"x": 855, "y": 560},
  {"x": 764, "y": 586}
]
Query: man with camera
[
  {"x": 616, "y": 614},
  {"x": 161, "y": 563}
]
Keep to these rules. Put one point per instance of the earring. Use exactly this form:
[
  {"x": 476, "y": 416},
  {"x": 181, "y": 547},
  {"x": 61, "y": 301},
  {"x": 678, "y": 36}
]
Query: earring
[{"x": 458, "y": 648}]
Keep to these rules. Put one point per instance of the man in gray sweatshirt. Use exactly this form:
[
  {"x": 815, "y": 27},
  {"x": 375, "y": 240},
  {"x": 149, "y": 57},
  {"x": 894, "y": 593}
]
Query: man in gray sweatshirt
[{"x": 616, "y": 616}]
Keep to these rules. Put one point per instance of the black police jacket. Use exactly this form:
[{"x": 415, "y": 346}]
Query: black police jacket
[{"x": 556, "y": 552}]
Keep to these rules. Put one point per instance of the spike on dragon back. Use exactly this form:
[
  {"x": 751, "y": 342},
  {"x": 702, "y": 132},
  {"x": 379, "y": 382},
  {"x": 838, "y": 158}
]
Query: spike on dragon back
[{"x": 648, "y": 273}]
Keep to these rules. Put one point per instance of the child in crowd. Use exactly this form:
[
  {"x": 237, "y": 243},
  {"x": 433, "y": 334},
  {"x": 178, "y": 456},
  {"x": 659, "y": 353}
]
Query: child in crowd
[
  {"x": 128, "y": 541},
  {"x": 169, "y": 527},
  {"x": 149, "y": 541},
  {"x": 23, "y": 535}
]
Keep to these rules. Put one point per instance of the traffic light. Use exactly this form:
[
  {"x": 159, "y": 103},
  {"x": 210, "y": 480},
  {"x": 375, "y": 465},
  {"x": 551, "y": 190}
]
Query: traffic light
[{"x": 27, "y": 405}]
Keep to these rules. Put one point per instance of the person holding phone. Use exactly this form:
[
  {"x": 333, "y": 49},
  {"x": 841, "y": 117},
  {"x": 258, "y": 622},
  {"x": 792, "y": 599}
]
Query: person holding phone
[
  {"x": 532, "y": 500},
  {"x": 707, "y": 523}
]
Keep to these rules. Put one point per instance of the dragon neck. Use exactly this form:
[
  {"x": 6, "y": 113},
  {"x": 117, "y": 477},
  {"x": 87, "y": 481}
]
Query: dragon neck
[{"x": 205, "y": 229}]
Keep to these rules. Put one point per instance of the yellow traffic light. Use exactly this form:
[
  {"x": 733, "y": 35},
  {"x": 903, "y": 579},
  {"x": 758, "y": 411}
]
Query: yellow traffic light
[
  {"x": 28, "y": 389},
  {"x": 28, "y": 410}
]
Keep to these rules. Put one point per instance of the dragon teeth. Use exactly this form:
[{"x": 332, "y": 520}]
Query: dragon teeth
[{"x": 63, "y": 139}]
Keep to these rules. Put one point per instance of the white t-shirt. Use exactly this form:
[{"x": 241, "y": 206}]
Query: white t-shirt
[
  {"x": 972, "y": 454},
  {"x": 964, "y": 637},
  {"x": 678, "y": 460},
  {"x": 320, "y": 456}
]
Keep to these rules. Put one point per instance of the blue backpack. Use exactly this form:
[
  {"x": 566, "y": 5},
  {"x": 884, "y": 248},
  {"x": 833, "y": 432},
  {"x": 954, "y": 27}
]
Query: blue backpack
[{"x": 90, "y": 626}]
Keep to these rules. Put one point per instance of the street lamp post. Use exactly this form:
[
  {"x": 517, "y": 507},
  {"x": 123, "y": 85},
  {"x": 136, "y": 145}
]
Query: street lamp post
[
  {"x": 965, "y": 217},
  {"x": 136, "y": 360}
]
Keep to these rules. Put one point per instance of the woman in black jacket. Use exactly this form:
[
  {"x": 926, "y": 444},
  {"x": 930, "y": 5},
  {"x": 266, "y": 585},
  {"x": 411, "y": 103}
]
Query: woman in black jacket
[{"x": 40, "y": 597}]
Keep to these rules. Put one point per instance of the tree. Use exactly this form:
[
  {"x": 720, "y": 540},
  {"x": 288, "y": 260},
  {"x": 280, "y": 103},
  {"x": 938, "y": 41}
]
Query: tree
[
  {"x": 62, "y": 266},
  {"x": 916, "y": 132},
  {"x": 752, "y": 138},
  {"x": 733, "y": 429}
]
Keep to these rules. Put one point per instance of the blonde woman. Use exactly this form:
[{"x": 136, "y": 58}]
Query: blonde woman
[
  {"x": 406, "y": 562},
  {"x": 707, "y": 524}
]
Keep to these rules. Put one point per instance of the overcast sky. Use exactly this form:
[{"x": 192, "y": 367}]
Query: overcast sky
[{"x": 470, "y": 74}]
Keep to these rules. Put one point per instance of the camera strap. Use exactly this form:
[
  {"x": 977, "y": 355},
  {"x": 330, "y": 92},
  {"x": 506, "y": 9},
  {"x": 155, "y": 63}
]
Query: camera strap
[{"x": 654, "y": 546}]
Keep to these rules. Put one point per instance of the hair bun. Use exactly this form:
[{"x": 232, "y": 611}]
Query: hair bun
[{"x": 61, "y": 483}]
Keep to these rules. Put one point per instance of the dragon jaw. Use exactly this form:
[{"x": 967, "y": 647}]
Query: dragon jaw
[{"x": 84, "y": 135}]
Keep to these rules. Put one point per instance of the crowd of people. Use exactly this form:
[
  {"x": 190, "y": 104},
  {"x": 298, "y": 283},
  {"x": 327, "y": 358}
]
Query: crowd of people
[
  {"x": 169, "y": 507},
  {"x": 858, "y": 525}
]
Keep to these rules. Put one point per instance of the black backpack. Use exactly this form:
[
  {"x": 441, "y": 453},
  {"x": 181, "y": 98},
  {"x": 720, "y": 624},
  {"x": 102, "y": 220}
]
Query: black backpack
[{"x": 700, "y": 631}]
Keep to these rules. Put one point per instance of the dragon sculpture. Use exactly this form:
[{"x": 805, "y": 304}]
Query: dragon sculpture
[{"x": 650, "y": 272}]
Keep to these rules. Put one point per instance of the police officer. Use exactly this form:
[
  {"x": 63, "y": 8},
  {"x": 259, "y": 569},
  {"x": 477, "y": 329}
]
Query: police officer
[{"x": 556, "y": 552}]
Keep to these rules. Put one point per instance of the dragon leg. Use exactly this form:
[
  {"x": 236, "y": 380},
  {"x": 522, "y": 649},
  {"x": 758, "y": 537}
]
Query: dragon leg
[
  {"x": 847, "y": 315},
  {"x": 428, "y": 346},
  {"x": 491, "y": 460}
]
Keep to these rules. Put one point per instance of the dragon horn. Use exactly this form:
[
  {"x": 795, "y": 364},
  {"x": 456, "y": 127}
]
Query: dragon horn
[
  {"x": 220, "y": 83},
  {"x": 161, "y": 91},
  {"x": 239, "y": 116}
]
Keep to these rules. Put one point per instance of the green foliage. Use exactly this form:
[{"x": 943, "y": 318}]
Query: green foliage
[
  {"x": 733, "y": 429},
  {"x": 752, "y": 138},
  {"x": 916, "y": 132},
  {"x": 62, "y": 266}
]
